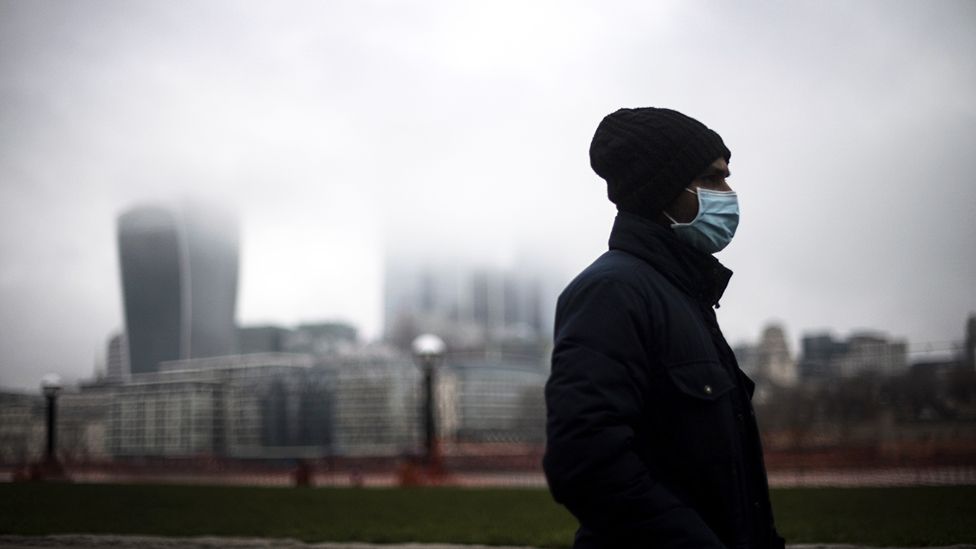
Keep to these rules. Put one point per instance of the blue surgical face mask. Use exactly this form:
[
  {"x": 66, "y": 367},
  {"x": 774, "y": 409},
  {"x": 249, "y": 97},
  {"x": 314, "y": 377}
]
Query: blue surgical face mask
[{"x": 712, "y": 229}]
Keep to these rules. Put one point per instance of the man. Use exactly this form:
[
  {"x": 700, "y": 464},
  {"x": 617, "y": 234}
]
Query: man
[{"x": 651, "y": 437}]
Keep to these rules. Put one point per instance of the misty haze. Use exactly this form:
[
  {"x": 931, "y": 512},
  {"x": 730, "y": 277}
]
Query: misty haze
[{"x": 225, "y": 226}]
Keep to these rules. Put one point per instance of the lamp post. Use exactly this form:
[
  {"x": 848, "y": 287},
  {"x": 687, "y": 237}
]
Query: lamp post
[
  {"x": 50, "y": 469},
  {"x": 428, "y": 350},
  {"x": 51, "y": 386}
]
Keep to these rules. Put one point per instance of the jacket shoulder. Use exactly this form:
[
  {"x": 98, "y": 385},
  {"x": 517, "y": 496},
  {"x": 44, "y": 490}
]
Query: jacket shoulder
[{"x": 616, "y": 268}]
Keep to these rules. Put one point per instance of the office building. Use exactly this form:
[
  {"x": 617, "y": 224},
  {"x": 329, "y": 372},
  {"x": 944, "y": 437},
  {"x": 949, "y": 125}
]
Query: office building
[
  {"x": 272, "y": 405},
  {"x": 499, "y": 402},
  {"x": 117, "y": 358},
  {"x": 863, "y": 352},
  {"x": 471, "y": 309},
  {"x": 179, "y": 283},
  {"x": 775, "y": 363}
]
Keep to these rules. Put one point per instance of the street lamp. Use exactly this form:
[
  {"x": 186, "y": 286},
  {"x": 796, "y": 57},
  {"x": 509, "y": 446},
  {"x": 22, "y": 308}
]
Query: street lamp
[
  {"x": 51, "y": 386},
  {"x": 428, "y": 350}
]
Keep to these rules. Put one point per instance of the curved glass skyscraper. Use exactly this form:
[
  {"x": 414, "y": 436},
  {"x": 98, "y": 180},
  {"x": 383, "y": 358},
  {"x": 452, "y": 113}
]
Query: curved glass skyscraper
[{"x": 179, "y": 283}]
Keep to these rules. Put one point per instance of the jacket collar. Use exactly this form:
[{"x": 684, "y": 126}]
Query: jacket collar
[{"x": 696, "y": 273}]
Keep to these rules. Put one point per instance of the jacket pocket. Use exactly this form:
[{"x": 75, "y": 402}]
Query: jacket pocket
[
  {"x": 699, "y": 413},
  {"x": 701, "y": 380}
]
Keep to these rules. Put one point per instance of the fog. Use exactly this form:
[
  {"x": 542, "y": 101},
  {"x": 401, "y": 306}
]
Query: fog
[{"x": 345, "y": 132}]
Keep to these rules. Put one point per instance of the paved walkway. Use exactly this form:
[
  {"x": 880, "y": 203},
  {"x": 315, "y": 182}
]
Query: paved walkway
[{"x": 149, "y": 542}]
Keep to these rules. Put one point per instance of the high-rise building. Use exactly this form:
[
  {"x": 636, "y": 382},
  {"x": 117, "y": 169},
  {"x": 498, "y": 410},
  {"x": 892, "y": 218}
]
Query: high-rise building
[
  {"x": 873, "y": 352},
  {"x": 862, "y": 352},
  {"x": 775, "y": 362},
  {"x": 820, "y": 351},
  {"x": 117, "y": 358},
  {"x": 179, "y": 283},
  {"x": 472, "y": 309}
]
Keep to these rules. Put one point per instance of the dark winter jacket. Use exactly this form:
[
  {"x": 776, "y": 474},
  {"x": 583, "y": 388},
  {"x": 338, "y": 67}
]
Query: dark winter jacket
[{"x": 651, "y": 437}]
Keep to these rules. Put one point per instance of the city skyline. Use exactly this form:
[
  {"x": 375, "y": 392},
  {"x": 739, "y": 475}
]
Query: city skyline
[
  {"x": 950, "y": 344},
  {"x": 340, "y": 136}
]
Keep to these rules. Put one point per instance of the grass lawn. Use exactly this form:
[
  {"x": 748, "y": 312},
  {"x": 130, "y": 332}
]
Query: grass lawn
[{"x": 876, "y": 516}]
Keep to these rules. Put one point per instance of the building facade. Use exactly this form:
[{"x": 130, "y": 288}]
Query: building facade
[
  {"x": 491, "y": 310},
  {"x": 117, "y": 358},
  {"x": 862, "y": 353},
  {"x": 499, "y": 402},
  {"x": 272, "y": 405},
  {"x": 179, "y": 283},
  {"x": 775, "y": 361}
]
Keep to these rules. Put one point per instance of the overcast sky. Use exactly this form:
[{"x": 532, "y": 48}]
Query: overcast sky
[{"x": 338, "y": 130}]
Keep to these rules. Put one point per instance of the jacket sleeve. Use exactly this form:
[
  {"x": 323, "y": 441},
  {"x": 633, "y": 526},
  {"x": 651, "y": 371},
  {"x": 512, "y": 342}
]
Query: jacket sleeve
[{"x": 594, "y": 400}]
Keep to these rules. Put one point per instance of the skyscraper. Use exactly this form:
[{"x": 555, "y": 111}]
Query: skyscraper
[
  {"x": 775, "y": 362},
  {"x": 179, "y": 283},
  {"x": 117, "y": 358},
  {"x": 470, "y": 308}
]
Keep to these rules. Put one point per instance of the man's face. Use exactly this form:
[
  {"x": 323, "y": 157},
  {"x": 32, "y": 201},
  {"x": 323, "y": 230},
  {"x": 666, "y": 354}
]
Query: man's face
[{"x": 684, "y": 208}]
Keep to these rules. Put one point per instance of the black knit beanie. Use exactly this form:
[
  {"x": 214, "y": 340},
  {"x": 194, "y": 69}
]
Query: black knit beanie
[{"x": 648, "y": 155}]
